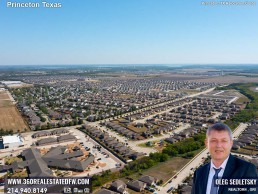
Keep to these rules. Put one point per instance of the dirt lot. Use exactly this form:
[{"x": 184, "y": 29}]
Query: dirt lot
[
  {"x": 22, "y": 86},
  {"x": 10, "y": 117},
  {"x": 137, "y": 130},
  {"x": 4, "y": 100},
  {"x": 4, "y": 95}
]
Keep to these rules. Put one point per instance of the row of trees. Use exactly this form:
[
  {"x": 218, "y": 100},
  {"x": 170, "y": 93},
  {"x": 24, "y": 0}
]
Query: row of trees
[
  {"x": 6, "y": 132},
  {"x": 185, "y": 147}
]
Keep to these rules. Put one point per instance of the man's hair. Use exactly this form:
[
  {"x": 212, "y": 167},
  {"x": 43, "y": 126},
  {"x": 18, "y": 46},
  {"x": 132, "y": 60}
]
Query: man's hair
[{"x": 219, "y": 127}]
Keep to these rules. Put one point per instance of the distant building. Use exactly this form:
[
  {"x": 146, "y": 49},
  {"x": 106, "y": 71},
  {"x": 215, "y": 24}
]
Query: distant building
[
  {"x": 10, "y": 141},
  {"x": 12, "y": 83}
]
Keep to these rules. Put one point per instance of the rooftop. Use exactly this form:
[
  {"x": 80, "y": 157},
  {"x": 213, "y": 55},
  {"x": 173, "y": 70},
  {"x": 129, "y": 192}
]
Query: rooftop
[{"x": 12, "y": 139}]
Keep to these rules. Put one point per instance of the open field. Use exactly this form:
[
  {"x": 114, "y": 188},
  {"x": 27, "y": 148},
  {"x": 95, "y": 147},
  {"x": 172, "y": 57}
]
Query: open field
[
  {"x": 5, "y": 100},
  {"x": 5, "y": 103},
  {"x": 4, "y": 95},
  {"x": 227, "y": 79},
  {"x": 10, "y": 117},
  {"x": 22, "y": 86},
  {"x": 164, "y": 170},
  {"x": 242, "y": 100},
  {"x": 254, "y": 89}
]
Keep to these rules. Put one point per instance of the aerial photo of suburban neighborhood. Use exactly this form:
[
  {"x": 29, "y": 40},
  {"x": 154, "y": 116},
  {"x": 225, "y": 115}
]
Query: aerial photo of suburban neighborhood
[
  {"x": 131, "y": 130},
  {"x": 128, "y": 97}
]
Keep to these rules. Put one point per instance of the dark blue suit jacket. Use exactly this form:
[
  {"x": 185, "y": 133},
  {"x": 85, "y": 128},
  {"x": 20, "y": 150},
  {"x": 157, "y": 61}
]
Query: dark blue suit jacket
[{"x": 235, "y": 168}]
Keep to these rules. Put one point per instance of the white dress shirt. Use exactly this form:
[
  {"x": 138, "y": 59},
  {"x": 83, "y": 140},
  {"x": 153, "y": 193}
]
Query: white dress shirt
[{"x": 212, "y": 173}]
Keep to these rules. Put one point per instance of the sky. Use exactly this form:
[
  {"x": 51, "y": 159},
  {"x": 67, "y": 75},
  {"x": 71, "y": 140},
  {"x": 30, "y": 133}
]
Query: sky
[{"x": 129, "y": 32}]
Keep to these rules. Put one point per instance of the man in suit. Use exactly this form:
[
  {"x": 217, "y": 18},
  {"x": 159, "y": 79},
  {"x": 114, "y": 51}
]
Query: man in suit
[{"x": 219, "y": 142}]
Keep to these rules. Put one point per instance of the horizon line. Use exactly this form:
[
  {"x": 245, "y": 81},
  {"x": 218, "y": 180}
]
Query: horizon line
[{"x": 116, "y": 64}]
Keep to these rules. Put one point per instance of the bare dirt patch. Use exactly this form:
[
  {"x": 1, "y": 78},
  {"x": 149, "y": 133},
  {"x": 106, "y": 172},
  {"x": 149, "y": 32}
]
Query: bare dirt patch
[
  {"x": 10, "y": 118},
  {"x": 5, "y": 100},
  {"x": 102, "y": 165},
  {"x": 5, "y": 103},
  {"x": 4, "y": 96},
  {"x": 137, "y": 130}
]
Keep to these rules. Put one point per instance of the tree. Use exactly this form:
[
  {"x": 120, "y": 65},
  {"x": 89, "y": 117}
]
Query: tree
[
  {"x": 75, "y": 122},
  {"x": 189, "y": 155},
  {"x": 71, "y": 123},
  {"x": 164, "y": 157},
  {"x": 171, "y": 151},
  {"x": 42, "y": 119},
  {"x": 160, "y": 182},
  {"x": 133, "y": 108},
  {"x": 80, "y": 121},
  {"x": 49, "y": 126}
]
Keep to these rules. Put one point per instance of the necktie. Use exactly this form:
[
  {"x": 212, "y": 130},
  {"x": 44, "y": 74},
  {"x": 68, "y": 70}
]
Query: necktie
[{"x": 214, "y": 188}]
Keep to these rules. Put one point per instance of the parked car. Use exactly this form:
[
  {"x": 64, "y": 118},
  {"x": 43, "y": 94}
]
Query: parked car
[{"x": 170, "y": 189}]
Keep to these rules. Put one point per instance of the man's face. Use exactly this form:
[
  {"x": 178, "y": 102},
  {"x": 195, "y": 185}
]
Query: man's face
[{"x": 219, "y": 145}]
